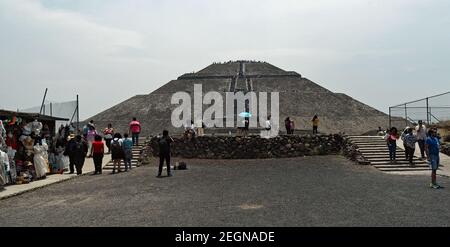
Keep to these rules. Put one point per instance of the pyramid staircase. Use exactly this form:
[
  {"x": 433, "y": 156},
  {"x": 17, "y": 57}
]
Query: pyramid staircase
[
  {"x": 136, "y": 152},
  {"x": 375, "y": 150}
]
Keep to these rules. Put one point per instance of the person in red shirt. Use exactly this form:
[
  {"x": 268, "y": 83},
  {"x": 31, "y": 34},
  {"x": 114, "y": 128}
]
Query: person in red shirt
[
  {"x": 135, "y": 129},
  {"x": 98, "y": 150}
]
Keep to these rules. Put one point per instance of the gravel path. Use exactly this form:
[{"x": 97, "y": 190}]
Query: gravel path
[{"x": 310, "y": 191}]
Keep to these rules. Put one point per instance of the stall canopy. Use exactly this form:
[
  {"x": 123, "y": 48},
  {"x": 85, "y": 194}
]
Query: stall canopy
[{"x": 29, "y": 117}]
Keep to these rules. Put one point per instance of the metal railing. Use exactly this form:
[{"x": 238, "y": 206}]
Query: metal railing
[{"x": 430, "y": 110}]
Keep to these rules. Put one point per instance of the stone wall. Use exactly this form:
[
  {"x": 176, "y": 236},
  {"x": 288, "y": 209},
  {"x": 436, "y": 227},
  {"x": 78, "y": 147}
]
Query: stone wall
[
  {"x": 351, "y": 151},
  {"x": 253, "y": 147}
]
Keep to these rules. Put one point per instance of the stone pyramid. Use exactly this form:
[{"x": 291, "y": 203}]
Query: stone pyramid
[{"x": 300, "y": 99}]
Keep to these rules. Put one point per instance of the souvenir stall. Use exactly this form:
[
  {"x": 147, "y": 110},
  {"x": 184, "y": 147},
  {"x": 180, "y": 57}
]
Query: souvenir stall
[{"x": 27, "y": 150}]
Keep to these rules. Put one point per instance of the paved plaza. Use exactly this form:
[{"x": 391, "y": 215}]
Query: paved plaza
[{"x": 309, "y": 191}]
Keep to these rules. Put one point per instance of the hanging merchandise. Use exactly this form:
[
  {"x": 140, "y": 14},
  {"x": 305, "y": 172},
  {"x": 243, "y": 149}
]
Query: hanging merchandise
[
  {"x": 11, "y": 141},
  {"x": 4, "y": 168},
  {"x": 36, "y": 127},
  {"x": 12, "y": 165},
  {"x": 28, "y": 143},
  {"x": 2, "y": 134},
  {"x": 40, "y": 162}
]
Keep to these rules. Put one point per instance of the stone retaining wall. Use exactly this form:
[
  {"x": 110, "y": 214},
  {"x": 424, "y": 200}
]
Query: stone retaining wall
[
  {"x": 351, "y": 151},
  {"x": 253, "y": 147}
]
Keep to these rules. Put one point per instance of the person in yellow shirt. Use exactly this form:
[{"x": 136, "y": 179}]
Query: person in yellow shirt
[{"x": 315, "y": 121}]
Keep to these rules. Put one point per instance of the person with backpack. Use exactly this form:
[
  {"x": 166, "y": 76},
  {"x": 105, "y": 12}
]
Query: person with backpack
[
  {"x": 79, "y": 154},
  {"x": 164, "y": 152},
  {"x": 117, "y": 153},
  {"x": 98, "y": 151},
  {"x": 402, "y": 137},
  {"x": 135, "y": 130},
  {"x": 108, "y": 134},
  {"x": 127, "y": 144},
  {"x": 410, "y": 144}
]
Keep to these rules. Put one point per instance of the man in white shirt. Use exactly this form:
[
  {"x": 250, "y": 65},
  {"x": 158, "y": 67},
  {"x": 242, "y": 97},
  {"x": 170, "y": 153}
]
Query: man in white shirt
[
  {"x": 268, "y": 124},
  {"x": 421, "y": 134}
]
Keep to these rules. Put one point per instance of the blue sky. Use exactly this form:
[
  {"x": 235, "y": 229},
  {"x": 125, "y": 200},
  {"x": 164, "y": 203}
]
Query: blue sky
[{"x": 108, "y": 51}]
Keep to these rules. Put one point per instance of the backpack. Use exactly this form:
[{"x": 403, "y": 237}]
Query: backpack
[
  {"x": 127, "y": 144},
  {"x": 182, "y": 166},
  {"x": 116, "y": 147},
  {"x": 78, "y": 148}
]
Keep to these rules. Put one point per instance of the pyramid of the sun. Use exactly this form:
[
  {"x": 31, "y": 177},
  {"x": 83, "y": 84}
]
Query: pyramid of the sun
[{"x": 300, "y": 99}]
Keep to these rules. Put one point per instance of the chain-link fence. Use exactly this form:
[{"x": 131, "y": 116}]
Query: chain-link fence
[{"x": 430, "y": 110}]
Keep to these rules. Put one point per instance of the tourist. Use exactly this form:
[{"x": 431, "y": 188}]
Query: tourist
[
  {"x": 292, "y": 124},
  {"x": 69, "y": 151},
  {"x": 135, "y": 130},
  {"x": 432, "y": 148},
  {"x": 189, "y": 130},
  {"x": 85, "y": 130},
  {"x": 268, "y": 123},
  {"x": 315, "y": 122},
  {"x": 194, "y": 133},
  {"x": 90, "y": 138},
  {"x": 402, "y": 137},
  {"x": 164, "y": 152},
  {"x": 410, "y": 144},
  {"x": 287, "y": 124},
  {"x": 127, "y": 144},
  {"x": 98, "y": 151},
  {"x": 201, "y": 128},
  {"x": 246, "y": 126},
  {"x": 117, "y": 153},
  {"x": 381, "y": 132},
  {"x": 108, "y": 134},
  {"x": 421, "y": 134},
  {"x": 79, "y": 154},
  {"x": 391, "y": 140},
  {"x": 91, "y": 124}
]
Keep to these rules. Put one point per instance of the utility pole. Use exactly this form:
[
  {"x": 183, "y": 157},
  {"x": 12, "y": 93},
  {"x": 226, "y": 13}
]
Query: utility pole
[
  {"x": 43, "y": 101},
  {"x": 78, "y": 115}
]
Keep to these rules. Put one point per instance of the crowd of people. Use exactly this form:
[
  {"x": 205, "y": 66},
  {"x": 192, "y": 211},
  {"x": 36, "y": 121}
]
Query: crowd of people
[
  {"x": 428, "y": 142},
  {"x": 91, "y": 144}
]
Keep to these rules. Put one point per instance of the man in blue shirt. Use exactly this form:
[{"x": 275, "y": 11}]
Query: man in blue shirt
[{"x": 432, "y": 148}]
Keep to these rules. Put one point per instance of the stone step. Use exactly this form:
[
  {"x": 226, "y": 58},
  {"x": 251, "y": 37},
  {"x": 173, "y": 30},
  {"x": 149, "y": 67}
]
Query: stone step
[
  {"x": 367, "y": 140},
  {"x": 367, "y": 150},
  {"x": 356, "y": 136},
  {"x": 372, "y": 146},
  {"x": 401, "y": 166},
  {"x": 399, "y": 162},
  {"x": 387, "y": 159},
  {"x": 380, "y": 151},
  {"x": 403, "y": 169},
  {"x": 385, "y": 147},
  {"x": 368, "y": 143}
]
